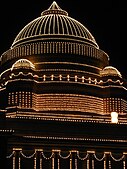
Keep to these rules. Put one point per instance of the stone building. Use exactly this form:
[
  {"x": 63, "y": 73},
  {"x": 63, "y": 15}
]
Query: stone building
[{"x": 62, "y": 105}]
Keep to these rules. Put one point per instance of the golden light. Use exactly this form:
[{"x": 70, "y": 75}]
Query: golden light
[{"x": 114, "y": 117}]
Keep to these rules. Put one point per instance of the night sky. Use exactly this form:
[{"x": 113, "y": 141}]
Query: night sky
[{"x": 105, "y": 19}]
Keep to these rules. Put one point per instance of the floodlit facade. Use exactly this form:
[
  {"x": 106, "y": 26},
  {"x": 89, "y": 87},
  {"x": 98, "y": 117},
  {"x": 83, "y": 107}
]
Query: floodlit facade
[{"x": 62, "y": 105}]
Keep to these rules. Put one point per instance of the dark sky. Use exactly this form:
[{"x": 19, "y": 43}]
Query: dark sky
[{"x": 105, "y": 19}]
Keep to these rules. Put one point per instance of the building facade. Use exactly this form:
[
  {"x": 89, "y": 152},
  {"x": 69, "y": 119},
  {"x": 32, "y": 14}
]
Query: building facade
[{"x": 62, "y": 105}]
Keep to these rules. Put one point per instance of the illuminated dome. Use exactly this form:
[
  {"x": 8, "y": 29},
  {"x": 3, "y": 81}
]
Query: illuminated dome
[
  {"x": 110, "y": 71},
  {"x": 23, "y": 63},
  {"x": 54, "y": 21},
  {"x": 54, "y": 33}
]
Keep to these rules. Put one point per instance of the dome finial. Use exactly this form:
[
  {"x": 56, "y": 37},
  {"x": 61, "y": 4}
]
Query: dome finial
[
  {"x": 54, "y": 9},
  {"x": 54, "y": 6}
]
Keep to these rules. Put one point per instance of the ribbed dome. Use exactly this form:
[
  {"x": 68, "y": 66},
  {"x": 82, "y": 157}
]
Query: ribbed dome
[
  {"x": 110, "y": 71},
  {"x": 23, "y": 63},
  {"x": 52, "y": 22}
]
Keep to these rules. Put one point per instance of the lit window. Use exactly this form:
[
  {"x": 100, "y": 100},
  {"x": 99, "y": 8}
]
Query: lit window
[{"x": 114, "y": 117}]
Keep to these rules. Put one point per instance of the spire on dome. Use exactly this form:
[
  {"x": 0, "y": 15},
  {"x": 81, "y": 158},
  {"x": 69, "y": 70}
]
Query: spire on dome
[
  {"x": 54, "y": 6},
  {"x": 54, "y": 9}
]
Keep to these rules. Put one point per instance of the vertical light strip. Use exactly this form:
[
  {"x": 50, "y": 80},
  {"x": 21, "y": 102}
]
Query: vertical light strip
[
  {"x": 47, "y": 20},
  {"x": 42, "y": 28},
  {"x": 74, "y": 27},
  {"x": 20, "y": 104},
  {"x": 28, "y": 31},
  {"x": 109, "y": 164},
  {"x": 68, "y": 21},
  {"x": 88, "y": 164},
  {"x": 40, "y": 163},
  {"x": 58, "y": 163},
  {"x": 76, "y": 164},
  {"x": 124, "y": 164},
  {"x": 57, "y": 20},
  {"x": 63, "y": 31},
  {"x": 35, "y": 162},
  {"x": 104, "y": 164},
  {"x": 37, "y": 26},
  {"x": 92, "y": 164},
  {"x": 34, "y": 28},
  {"x": 19, "y": 163},
  {"x": 52, "y": 162},
  {"x": 50, "y": 22},
  {"x": 54, "y": 24},
  {"x": 70, "y": 163},
  {"x": 66, "y": 25},
  {"x": 14, "y": 162}
]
